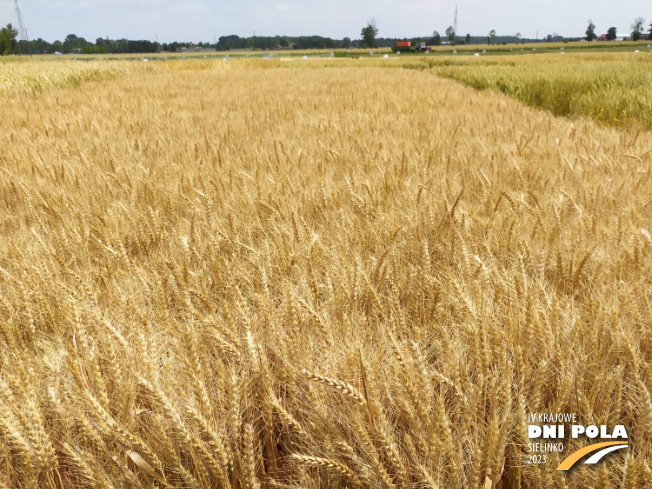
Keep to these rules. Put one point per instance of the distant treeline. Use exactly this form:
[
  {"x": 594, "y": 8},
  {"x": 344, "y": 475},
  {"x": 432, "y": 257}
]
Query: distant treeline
[
  {"x": 442, "y": 39},
  {"x": 226, "y": 43},
  {"x": 317, "y": 42},
  {"x": 74, "y": 44}
]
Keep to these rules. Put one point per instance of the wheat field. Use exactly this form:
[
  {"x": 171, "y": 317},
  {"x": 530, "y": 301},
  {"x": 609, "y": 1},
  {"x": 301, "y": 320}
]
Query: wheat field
[
  {"x": 231, "y": 276},
  {"x": 611, "y": 88}
]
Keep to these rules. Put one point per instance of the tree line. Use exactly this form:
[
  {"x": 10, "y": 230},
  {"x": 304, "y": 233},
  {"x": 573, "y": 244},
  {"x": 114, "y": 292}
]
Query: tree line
[
  {"x": 637, "y": 31},
  {"x": 369, "y": 32},
  {"x": 75, "y": 44},
  {"x": 9, "y": 44},
  {"x": 369, "y": 40},
  {"x": 226, "y": 43}
]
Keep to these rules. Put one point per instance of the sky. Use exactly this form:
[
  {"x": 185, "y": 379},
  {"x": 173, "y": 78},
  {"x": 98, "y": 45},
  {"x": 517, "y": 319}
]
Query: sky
[{"x": 205, "y": 20}]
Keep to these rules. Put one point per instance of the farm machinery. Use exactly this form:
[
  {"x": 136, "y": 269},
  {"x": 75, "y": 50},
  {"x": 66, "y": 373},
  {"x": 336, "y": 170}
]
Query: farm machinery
[{"x": 408, "y": 47}]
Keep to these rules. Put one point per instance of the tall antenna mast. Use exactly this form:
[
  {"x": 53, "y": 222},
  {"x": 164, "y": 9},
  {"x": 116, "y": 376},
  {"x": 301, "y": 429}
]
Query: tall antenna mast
[
  {"x": 21, "y": 27},
  {"x": 454, "y": 23}
]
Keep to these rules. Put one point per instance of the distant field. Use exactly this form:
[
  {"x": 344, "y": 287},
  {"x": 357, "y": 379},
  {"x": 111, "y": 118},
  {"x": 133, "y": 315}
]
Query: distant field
[
  {"x": 322, "y": 273},
  {"x": 580, "y": 47},
  {"x": 462, "y": 49},
  {"x": 613, "y": 88}
]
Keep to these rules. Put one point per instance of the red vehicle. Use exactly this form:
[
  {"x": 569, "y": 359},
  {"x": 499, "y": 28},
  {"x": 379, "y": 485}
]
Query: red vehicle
[{"x": 406, "y": 46}]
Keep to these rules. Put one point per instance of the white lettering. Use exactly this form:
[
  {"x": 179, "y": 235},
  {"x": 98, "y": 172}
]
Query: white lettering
[
  {"x": 577, "y": 430},
  {"x": 592, "y": 431},
  {"x": 619, "y": 431},
  {"x": 545, "y": 447},
  {"x": 549, "y": 431},
  {"x": 533, "y": 431}
]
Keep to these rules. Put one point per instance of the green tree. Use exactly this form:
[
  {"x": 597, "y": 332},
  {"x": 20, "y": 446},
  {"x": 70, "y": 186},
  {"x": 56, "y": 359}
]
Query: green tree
[
  {"x": 346, "y": 42},
  {"x": 369, "y": 33},
  {"x": 450, "y": 33},
  {"x": 637, "y": 28},
  {"x": 468, "y": 39},
  {"x": 40, "y": 46},
  {"x": 8, "y": 42},
  {"x": 436, "y": 39},
  {"x": 590, "y": 31},
  {"x": 72, "y": 43},
  {"x": 103, "y": 45},
  {"x": 611, "y": 34},
  {"x": 492, "y": 34}
]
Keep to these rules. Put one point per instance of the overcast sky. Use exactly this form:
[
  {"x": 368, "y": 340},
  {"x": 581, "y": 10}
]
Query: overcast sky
[{"x": 203, "y": 20}]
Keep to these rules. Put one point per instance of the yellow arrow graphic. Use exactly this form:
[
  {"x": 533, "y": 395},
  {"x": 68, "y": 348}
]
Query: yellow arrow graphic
[{"x": 575, "y": 456}]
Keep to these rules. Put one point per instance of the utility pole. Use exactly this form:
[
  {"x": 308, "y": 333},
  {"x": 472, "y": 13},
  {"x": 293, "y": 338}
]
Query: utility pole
[
  {"x": 21, "y": 26},
  {"x": 455, "y": 21}
]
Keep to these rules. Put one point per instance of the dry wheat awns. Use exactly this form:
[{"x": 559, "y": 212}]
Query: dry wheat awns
[{"x": 303, "y": 277}]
